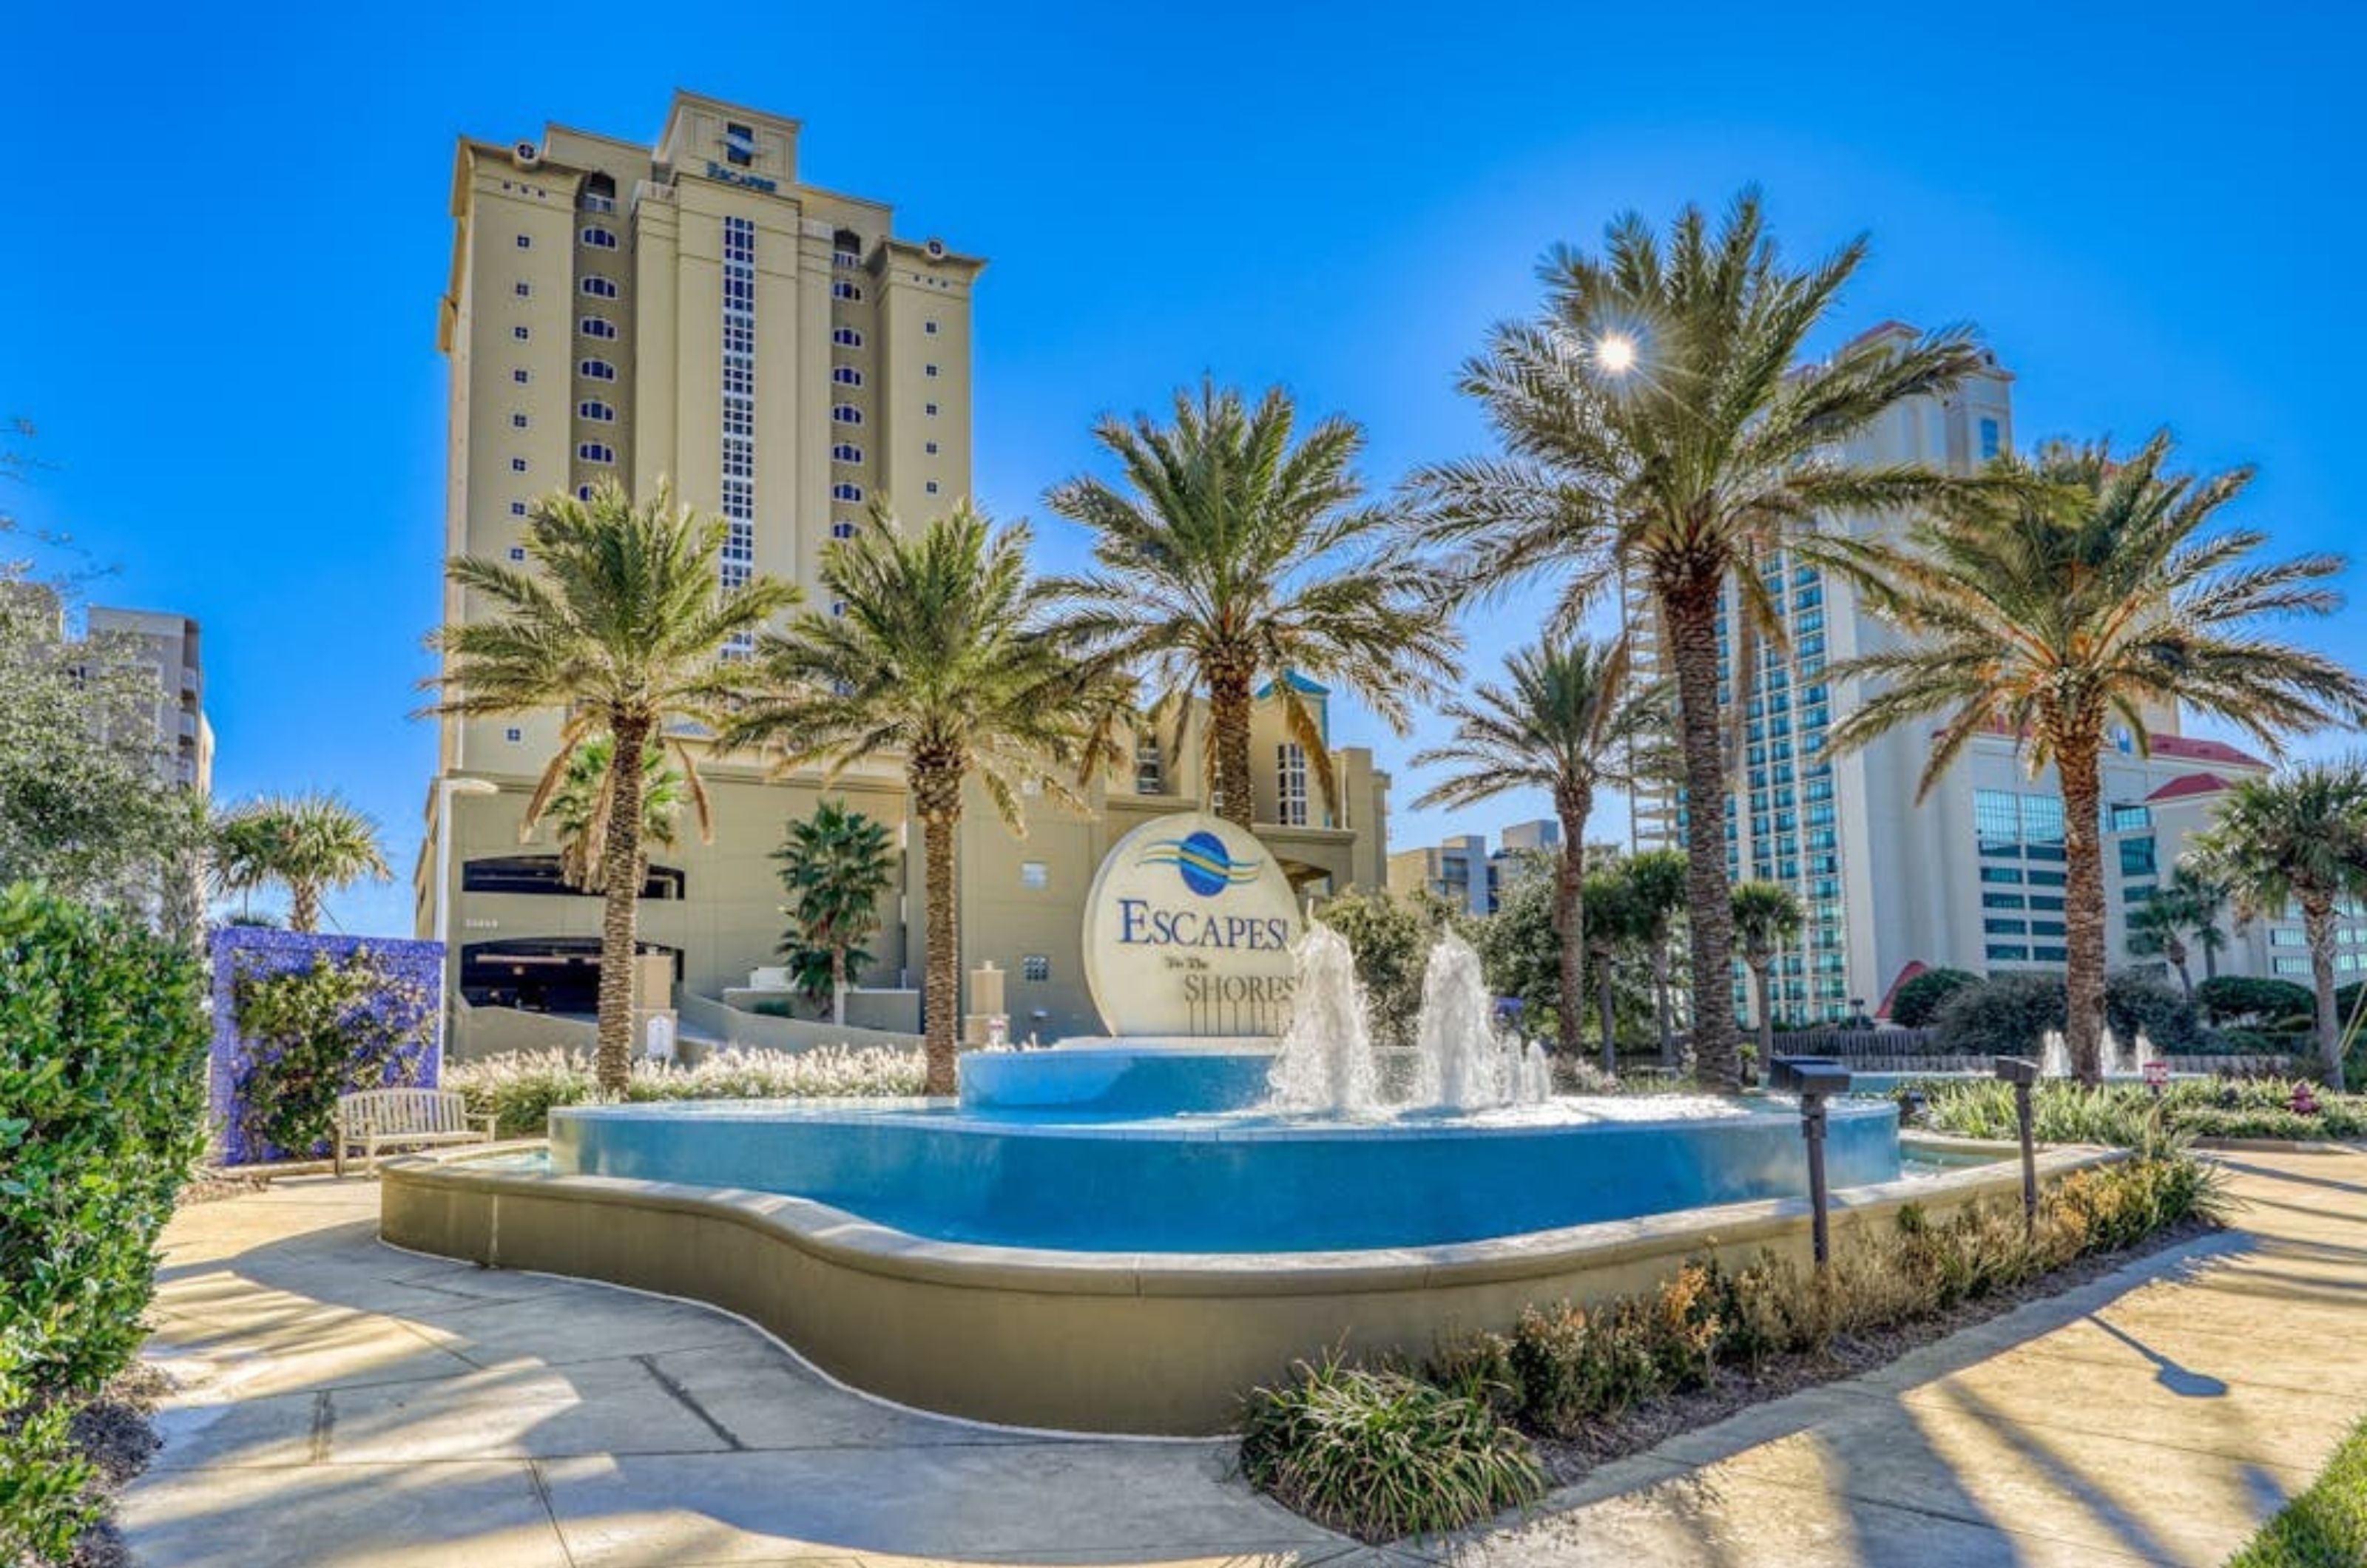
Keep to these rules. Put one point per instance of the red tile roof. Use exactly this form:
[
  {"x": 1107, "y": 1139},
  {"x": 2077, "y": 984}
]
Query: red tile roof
[
  {"x": 2201, "y": 751},
  {"x": 2187, "y": 784}
]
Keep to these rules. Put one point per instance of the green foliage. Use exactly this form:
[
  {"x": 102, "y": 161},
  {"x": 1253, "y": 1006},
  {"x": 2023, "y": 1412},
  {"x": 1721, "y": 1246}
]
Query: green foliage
[
  {"x": 2131, "y": 1116},
  {"x": 2326, "y": 1526},
  {"x": 315, "y": 1034},
  {"x": 2138, "y": 1004},
  {"x": 1919, "y": 1000},
  {"x": 579, "y": 808},
  {"x": 2255, "y": 1000},
  {"x": 521, "y": 1086},
  {"x": 836, "y": 867},
  {"x": 102, "y": 1101},
  {"x": 1381, "y": 1455},
  {"x": 1520, "y": 952},
  {"x": 2004, "y": 1017},
  {"x": 1391, "y": 937},
  {"x": 310, "y": 844}
]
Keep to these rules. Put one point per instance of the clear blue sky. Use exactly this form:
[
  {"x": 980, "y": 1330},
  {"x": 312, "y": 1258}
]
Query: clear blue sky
[{"x": 227, "y": 232}]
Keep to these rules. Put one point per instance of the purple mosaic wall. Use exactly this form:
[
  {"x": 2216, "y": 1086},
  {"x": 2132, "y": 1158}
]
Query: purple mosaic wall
[{"x": 255, "y": 949}]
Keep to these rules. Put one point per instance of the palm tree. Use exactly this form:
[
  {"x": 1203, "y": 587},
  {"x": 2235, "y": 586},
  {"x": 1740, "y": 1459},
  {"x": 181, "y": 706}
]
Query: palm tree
[
  {"x": 836, "y": 866},
  {"x": 2074, "y": 592},
  {"x": 1232, "y": 554},
  {"x": 2188, "y": 906},
  {"x": 616, "y": 623},
  {"x": 310, "y": 844},
  {"x": 1658, "y": 881},
  {"x": 1657, "y": 431},
  {"x": 1569, "y": 723},
  {"x": 941, "y": 650},
  {"x": 1766, "y": 916},
  {"x": 1613, "y": 925},
  {"x": 579, "y": 810},
  {"x": 2299, "y": 838}
]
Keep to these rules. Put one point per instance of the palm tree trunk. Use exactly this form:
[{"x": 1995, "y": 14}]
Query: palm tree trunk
[
  {"x": 1232, "y": 792},
  {"x": 838, "y": 984},
  {"x": 1766, "y": 1018},
  {"x": 1689, "y": 612},
  {"x": 2318, "y": 925},
  {"x": 304, "y": 905},
  {"x": 941, "y": 986},
  {"x": 2178, "y": 961},
  {"x": 1569, "y": 924},
  {"x": 2083, "y": 903},
  {"x": 612, "y": 1061},
  {"x": 1610, "y": 1014}
]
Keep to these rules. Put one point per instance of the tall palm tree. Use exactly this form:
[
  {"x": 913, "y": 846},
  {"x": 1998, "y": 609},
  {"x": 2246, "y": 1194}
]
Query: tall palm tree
[
  {"x": 1766, "y": 916},
  {"x": 941, "y": 650},
  {"x": 1231, "y": 555},
  {"x": 310, "y": 844},
  {"x": 616, "y": 624},
  {"x": 2186, "y": 908},
  {"x": 579, "y": 810},
  {"x": 1658, "y": 430},
  {"x": 836, "y": 866},
  {"x": 1571, "y": 722},
  {"x": 2299, "y": 838},
  {"x": 2075, "y": 592}
]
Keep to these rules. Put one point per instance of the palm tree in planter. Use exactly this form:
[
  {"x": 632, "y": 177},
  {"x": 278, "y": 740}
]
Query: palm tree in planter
[
  {"x": 942, "y": 651},
  {"x": 1570, "y": 721},
  {"x": 1230, "y": 555},
  {"x": 615, "y": 622},
  {"x": 836, "y": 866},
  {"x": 1658, "y": 430},
  {"x": 1766, "y": 916},
  {"x": 2298, "y": 837},
  {"x": 310, "y": 844},
  {"x": 579, "y": 808},
  {"x": 2075, "y": 592},
  {"x": 2185, "y": 909}
]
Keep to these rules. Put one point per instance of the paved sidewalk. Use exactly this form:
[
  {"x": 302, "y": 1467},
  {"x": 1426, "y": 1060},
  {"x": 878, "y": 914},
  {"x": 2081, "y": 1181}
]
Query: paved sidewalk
[{"x": 346, "y": 1404}]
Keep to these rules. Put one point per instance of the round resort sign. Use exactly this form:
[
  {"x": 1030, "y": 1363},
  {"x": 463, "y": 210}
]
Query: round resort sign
[{"x": 1188, "y": 932}]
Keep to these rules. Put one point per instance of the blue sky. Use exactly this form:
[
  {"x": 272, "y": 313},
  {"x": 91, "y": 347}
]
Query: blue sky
[{"x": 228, "y": 231}]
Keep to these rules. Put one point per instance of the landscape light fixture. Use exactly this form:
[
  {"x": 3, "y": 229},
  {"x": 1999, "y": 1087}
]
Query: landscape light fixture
[
  {"x": 1815, "y": 1079},
  {"x": 2023, "y": 1073}
]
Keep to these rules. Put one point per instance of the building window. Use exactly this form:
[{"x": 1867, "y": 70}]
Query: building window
[
  {"x": 525, "y": 241},
  {"x": 595, "y": 452},
  {"x": 739, "y": 456},
  {"x": 599, "y": 239},
  {"x": 517, "y": 422},
  {"x": 524, "y": 289},
  {"x": 929, "y": 409},
  {"x": 846, "y": 374},
  {"x": 1035, "y": 874},
  {"x": 846, "y": 413},
  {"x": 1037, "y": 967},
  {"x": 517, "y": 508},
  {"x": 1150, "y": 767},
  {"x": 1991, "y": 440},
  {"x": 520, "y": 376},
  {"x": 517, "y": 465},
  {"x": 842, "y": 529},
  {"x": 739, "y": 144},
  {"x": 841, "y": 288},
  {"x": 1290, "y": 777},
  {"x": 844, "y": 491},
  {"x": 2131, "y": 818},
  {"x": 931, "y": 487},
  {"x": 2050, "y": 954},
  {"x": 596, "y": 370},
  {"x": 517, "y": 552},
  {"x": 2137, "y": 857},
  {"x": 595, "y": 410},
  {"x": 929, "y": 369},
  {"x": 599, "y": 288},
  {"x": 598, "y": 326},
  {"x": 514, "y": 735},
  {"x": 521, "y": 333},
  {"x": 847, "y": 452},
  {"x": 846, "y": 337},
  {"x": 2005, "y": 953},
  {"x": 930, "y": 328},
  {"x": 583, "y": 493}
]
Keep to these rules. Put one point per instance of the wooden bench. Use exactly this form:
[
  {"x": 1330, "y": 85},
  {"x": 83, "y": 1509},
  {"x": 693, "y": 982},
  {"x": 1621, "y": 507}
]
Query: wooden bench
[{"x": 377, "y": 1119}]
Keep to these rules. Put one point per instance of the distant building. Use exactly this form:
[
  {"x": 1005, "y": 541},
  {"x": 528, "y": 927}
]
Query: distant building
[
  {"x": 1463, "y": 871},
  {"x": 167, "y": 645}
]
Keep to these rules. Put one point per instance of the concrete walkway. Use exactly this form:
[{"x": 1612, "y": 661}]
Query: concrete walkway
[{"x": 346, "y": 1404}]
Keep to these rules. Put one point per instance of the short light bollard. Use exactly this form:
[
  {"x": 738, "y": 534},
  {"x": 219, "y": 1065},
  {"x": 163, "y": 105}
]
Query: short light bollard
[
  {"x": 2023, "y": 1073},
  {"x": 1815, "y": 1079}
]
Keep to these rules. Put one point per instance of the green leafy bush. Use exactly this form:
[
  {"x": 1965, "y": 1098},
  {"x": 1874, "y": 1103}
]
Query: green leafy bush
[
  {"x": 2255, "y": 1001},
  {"x": 520, "y": 1087},
  {"x": 1380, "y": 1455},
  {"x": 316, "y": 1034},
  {"x": 2138, "y": 1004},
  {"x": 102, "y": 1101},
  {"x": 1918, "y": 1001},
  {"x": 2004, "y": 1017}
]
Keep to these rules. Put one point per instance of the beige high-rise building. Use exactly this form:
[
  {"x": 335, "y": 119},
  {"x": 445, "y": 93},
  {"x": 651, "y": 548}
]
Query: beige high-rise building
[
  {"x": 694, "y": 314},
  {"x": 167, "y": 645}
]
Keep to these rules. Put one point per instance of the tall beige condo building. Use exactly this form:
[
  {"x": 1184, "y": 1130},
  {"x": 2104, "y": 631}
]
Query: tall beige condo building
[{"x": 694, "y": 314}]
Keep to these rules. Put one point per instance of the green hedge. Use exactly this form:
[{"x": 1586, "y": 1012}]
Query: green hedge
[{"x": 102, "y": 1105}]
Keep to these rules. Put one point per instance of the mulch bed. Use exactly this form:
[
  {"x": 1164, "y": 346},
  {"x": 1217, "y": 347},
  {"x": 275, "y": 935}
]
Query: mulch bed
[
  {"x": 212, "y": 1187},
  {"x": 113, "y": 1434},
  {"x": 1570, "y": 1460}
]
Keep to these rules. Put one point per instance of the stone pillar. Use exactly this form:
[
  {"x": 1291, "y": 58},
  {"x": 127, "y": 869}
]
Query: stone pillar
[
  {"x": 986, "y": 1023},
  {"x": 653, "y": 998}
]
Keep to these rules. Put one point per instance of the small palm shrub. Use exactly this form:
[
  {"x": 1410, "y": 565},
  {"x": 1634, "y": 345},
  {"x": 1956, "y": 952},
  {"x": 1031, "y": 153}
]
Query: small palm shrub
[
  {"x": 1380, "y": 1455},
  {"x": 521, "y": 1087}
]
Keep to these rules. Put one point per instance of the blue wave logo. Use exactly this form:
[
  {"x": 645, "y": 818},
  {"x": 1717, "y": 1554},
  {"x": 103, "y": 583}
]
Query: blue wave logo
[{"x": 1203, "y": 864}]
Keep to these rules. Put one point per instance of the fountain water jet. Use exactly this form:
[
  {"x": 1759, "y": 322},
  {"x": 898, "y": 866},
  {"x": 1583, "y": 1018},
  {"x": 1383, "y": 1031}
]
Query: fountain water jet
[
  {"x": 1466, "y": 1063},
  {"x": 1325, "y": 1060}
]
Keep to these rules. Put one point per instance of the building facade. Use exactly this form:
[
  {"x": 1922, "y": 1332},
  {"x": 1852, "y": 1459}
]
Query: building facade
[
  {"x": 693, "y": 315},
  {"x": 167, "y": 645},
  {"x": 1464, "y": 872},
  {"x": 1970, "y": 877}
]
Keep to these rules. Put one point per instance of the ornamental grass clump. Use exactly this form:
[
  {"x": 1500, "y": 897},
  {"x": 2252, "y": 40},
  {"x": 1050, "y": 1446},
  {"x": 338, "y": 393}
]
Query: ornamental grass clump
[
  {"x": 521, "y": 1087},
  {"x": 2131, "y": 1116},
  {"x": 1380, "y": 1455}
]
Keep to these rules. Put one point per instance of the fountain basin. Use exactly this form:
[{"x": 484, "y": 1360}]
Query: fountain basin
[
  {"x": 1108, "y": 1077},
  {"x": 1238, "y": 1183}
]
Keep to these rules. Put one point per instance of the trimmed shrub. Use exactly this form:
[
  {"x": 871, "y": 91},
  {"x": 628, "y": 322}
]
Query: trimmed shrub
[
  {"x": 2138, "y": 1004},
  {"x": 2255, "y": 1001},
  {"x": 1919, "y": 1000},
  {"x": 102, "y": 1101},
  {"x": 521, "y": 1086},
  {"x": 2004, "y": 1017},
  {"x": 1380, "y": 1455}
]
